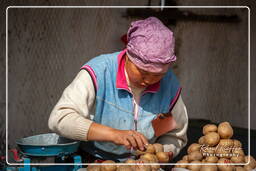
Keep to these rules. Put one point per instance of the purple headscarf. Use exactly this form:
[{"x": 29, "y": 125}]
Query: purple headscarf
[{"x": 150, "y": 45}]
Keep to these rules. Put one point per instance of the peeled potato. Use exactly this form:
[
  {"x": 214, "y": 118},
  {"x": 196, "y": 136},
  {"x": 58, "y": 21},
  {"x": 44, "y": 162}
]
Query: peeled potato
[
  {"x": 209, "y": 128},
  {"x": 201, "y": 140},
  {"x": 194, "y": 147},
  {"x": 211, "y": 159},
  {"x": 182, "y": 164},
  {"x": 162, "y": 157},
  {"x": 226, "y": 143},
  {"x": 225, "y": 130},
  {"x": 212, "y": 138},
  {"x": 195, "y": 167},
  {"x": 108, "y": 167},
  {"x": 252, "y": 161},
  {"x": 158, "y": 147},
  {"x": 225, "y": 167},
  {"x": 209, "y": 168},
  {"x": 195, "y": 155}
]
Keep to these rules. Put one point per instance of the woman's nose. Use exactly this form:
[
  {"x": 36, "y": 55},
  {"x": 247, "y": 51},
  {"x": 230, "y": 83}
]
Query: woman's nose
[{"x": 147, "y": 80}]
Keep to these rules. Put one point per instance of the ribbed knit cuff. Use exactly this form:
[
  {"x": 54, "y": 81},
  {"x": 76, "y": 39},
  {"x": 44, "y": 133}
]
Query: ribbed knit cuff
[{"x": 81, "y": 129}]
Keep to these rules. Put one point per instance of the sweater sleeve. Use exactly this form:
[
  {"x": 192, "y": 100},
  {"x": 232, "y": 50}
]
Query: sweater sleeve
[
  {"x": 71, "y": 115},
  {"x": 176, "y": 139}
]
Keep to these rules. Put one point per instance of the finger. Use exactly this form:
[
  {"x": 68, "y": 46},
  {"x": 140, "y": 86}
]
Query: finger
[
  {"x": 127, "y": 144},
  {"x": 132, "y": 141},
  {"x": 170, "y": 155},
  {"x": 143, "y": 138},
  {"x": 139, "y": 141}
]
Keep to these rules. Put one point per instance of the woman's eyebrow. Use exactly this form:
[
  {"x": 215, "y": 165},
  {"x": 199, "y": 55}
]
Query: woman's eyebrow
[{"x": 155, "y": 74}]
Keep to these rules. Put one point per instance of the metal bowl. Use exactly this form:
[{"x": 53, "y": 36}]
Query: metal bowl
[{"x": 49, "y": 144}]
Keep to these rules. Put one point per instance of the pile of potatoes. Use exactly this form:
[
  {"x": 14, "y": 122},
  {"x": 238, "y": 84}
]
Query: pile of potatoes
[
  {"x": 216, "y": 146},
  {"x": 154, "y": 153}
]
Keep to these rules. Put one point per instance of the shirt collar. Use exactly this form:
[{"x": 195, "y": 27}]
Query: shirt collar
[{"x": 121, "y": 82}]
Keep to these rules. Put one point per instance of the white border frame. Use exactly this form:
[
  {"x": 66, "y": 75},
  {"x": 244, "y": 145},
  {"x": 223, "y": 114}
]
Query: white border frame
[{"x": 65, "y": 164}]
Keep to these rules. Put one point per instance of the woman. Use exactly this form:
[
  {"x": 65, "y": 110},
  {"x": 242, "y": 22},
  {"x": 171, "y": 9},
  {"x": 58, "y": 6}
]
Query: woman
[{"x": 135, "y": 94}]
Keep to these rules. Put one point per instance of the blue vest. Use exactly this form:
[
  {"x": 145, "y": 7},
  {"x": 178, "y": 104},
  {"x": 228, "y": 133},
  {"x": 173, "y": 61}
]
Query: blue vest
[{"x": 114, "y": 107}]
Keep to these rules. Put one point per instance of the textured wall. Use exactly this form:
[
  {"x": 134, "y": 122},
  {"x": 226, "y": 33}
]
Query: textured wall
[
  {"x": 47, "y": 53},
  {"x": 213, "y": 67},
  {"x": 47, "y": 47}
]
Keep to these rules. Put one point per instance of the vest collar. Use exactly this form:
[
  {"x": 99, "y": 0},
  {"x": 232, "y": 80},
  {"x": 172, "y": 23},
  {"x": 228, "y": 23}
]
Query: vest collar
[{"x": 121, "y": 82}]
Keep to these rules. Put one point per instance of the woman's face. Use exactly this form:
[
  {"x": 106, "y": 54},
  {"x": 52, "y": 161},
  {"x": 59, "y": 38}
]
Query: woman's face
[{"x": 140, "y": 78}]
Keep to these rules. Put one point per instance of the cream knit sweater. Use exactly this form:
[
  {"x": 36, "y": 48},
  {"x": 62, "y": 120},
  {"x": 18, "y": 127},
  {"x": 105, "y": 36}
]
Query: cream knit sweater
[{"x": 72, "y": 115}]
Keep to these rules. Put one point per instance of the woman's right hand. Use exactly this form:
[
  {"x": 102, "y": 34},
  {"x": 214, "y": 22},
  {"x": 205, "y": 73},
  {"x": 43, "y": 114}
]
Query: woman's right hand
[{"x": 129, "y": 139}]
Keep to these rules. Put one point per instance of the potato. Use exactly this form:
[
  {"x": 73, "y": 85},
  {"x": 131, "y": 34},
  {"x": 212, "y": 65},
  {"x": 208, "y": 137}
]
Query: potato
[
  {"x": 223, "y": 152},
  {"x": 150, "y": 149},
  {"x": 158, "y": 147},
  {"x": 237, "y": 159},
  {"x": 237, "y": 144},
  {"x": 252, "y": 161},
  {"x": 181, "y": 164},
  {"x": 124, "y": 168},
  {"x": 138, "y": 152},
  {"x": 225, "y": 130},
  {"x": 248, "y": 168},
  {"x": 154, "y": 167},
  {"x": 212, "y": 138},
  {"x": 162, "y": 157},
  {"x": 195, "y": 155},
  {"x": 93, "y": 168},
  {"x": 211, "y": 159},
  {"x": 193, "y": 147},
  {"x": 209, "y": 128},
  {"x": 130, "y": 161},
  {"x": 239, "y": 168},
  {"x": 185, "y": 157},
  {"x": 108, "y": 167},
  {"x": 201, "y": 140},
  {"x": 238, "y": 152},
  {"x": 195, "y": 167},
  {"x": 142, "y": 167},
  {"x": 208, "y": 151},
  {"x": 225, "y": 167},
  {"x": 226, "y": 143},
  {"x": 209, "y": 168},
  {"x": 150, "y": 157}
]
